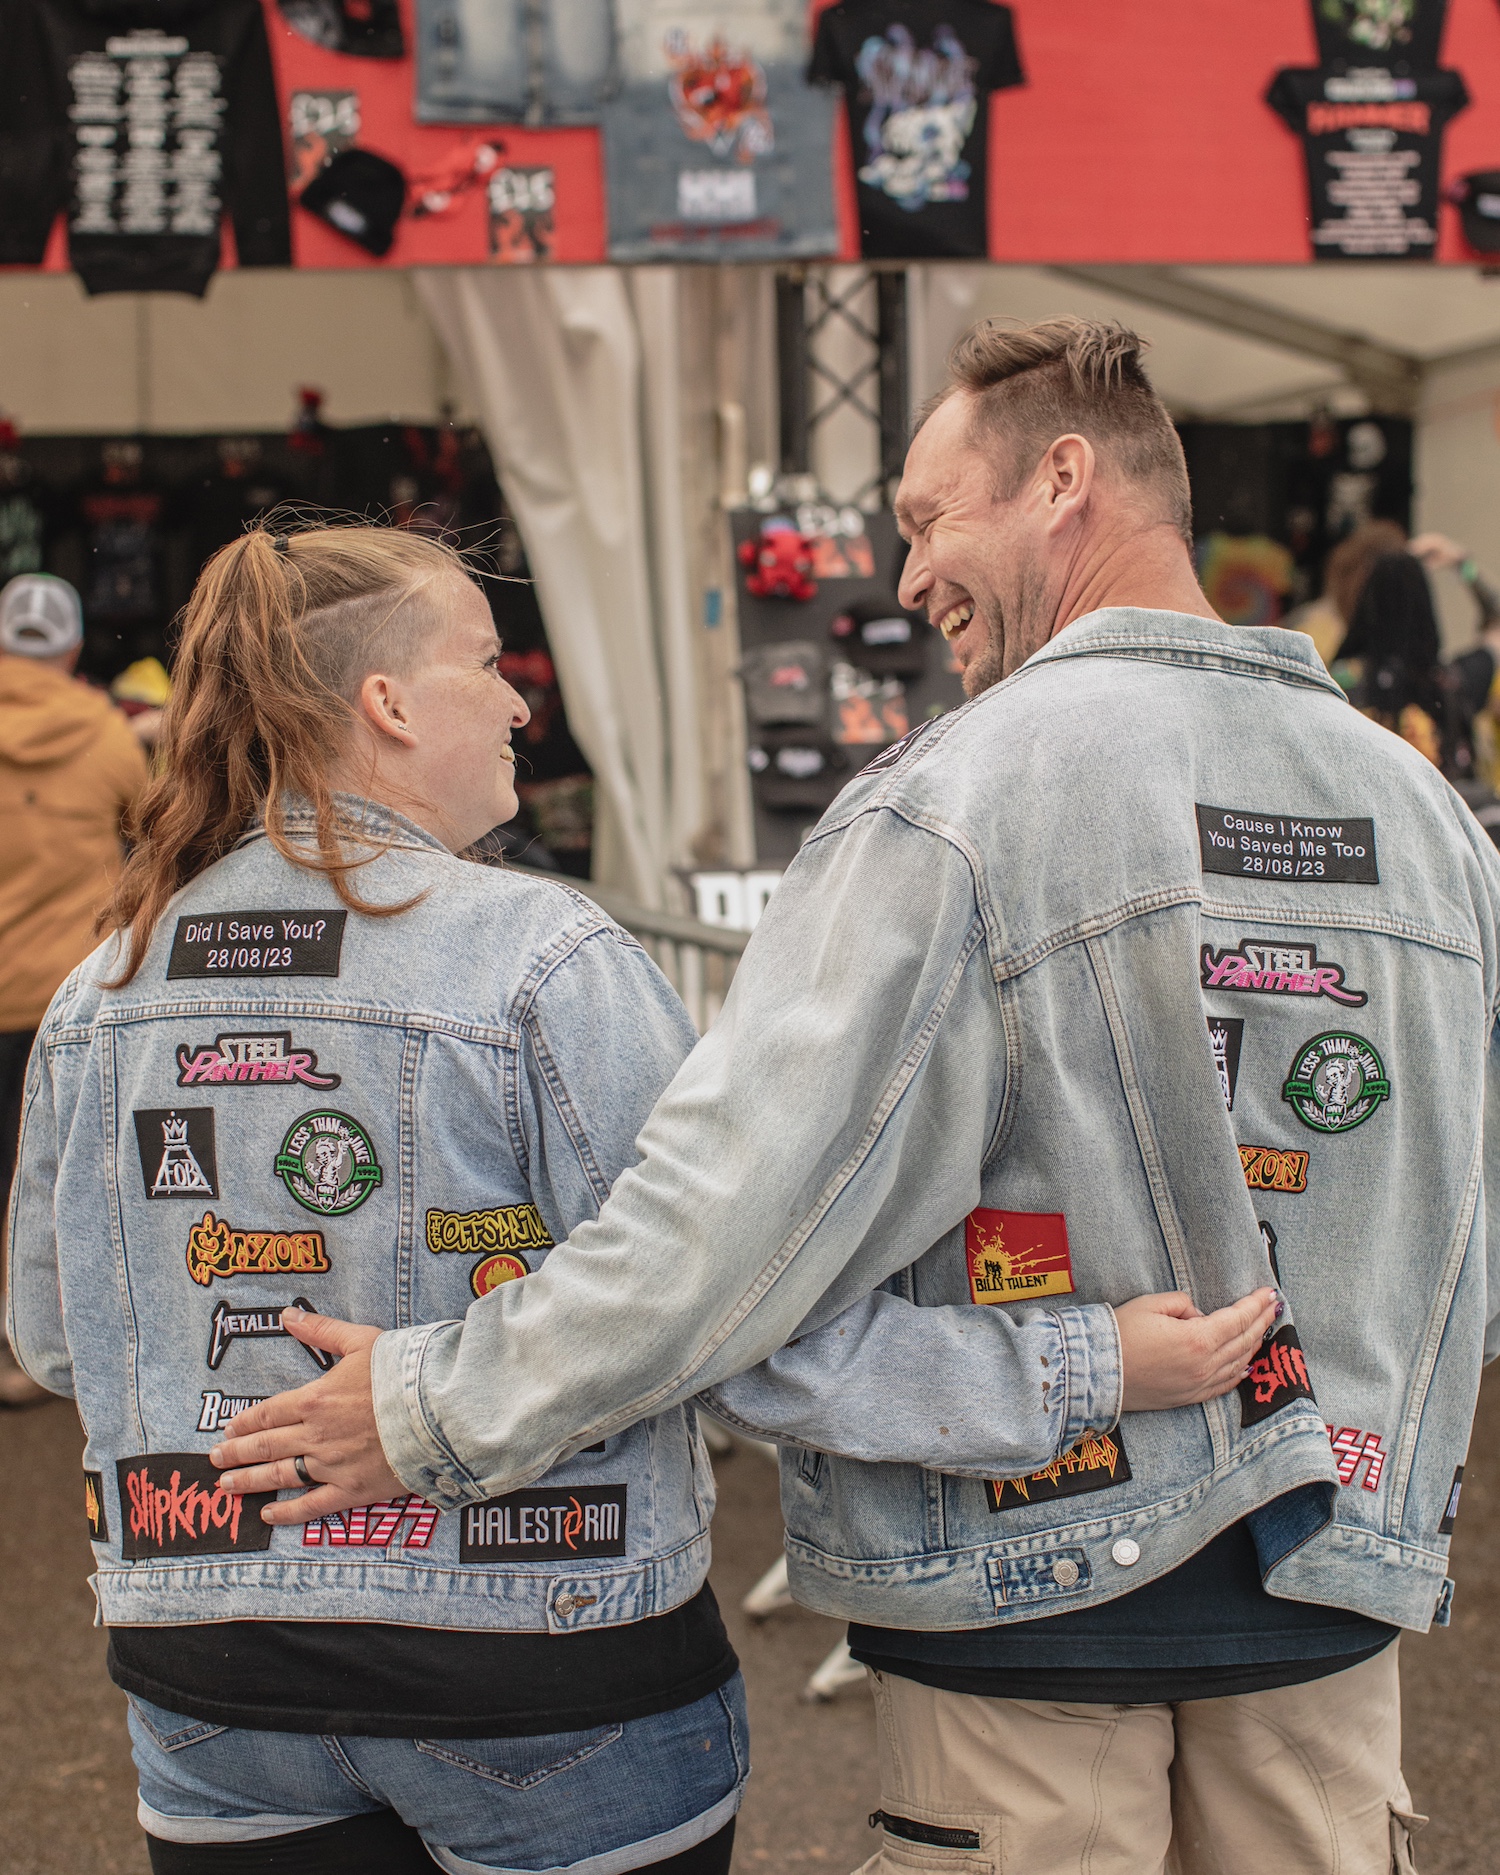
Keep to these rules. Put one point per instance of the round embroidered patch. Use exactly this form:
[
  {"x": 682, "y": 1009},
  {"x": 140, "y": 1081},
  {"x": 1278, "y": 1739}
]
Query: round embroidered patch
[
  {"x": 327, "y": 1163},
  {"x": 495, "y": 1270},
  {"x": 1336, "y": 1082}
]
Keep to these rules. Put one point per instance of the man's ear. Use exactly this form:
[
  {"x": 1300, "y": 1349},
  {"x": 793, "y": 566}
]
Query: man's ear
[
  {"x": 1067, "y": 478},
  {"x": 383, "y": 705}
]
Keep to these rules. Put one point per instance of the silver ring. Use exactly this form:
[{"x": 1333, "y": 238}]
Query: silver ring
[{"x": 299, "y": 1465}]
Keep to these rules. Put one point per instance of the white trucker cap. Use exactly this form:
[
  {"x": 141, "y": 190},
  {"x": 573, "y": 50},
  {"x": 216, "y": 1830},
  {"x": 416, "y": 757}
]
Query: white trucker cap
[{"x": 40, "y": 616}]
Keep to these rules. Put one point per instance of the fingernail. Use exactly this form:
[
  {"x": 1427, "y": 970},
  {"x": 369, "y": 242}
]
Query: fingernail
[
  {"x": 289, "y": 1310},
  {"x": 1280, "y": 1308},
  {"x": 216, "y": 1456}
]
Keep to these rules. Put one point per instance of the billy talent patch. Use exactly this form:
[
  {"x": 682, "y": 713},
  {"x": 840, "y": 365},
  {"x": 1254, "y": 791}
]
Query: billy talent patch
[
  {"x": 495, "y": 1270},
  {"x": 1225, "y": 1034},
  {"x": 177, "y": 1152},
  {"x": 215, "y": 1248},
  {"x": 509, "y": 1227},
  {"x": 1277, "y": 1376},
  {"x": 1273, "y": 1168},
  {"x": 258, "y": 1324},
  {"x": 1336, "y": 1082},
  {"x": 175, "y": 1504},
  {"x": 545, "y": 1526},
  {"x": 375, "y": 1526},
  {"x": 1450, "y": 1513},
  {"x": 262, "y": 1058},
  {"x": 1094, "y": 1464},
  {"x": 258, "y": 944},
  {"x": 1277, "y": 970},
  {"x": 1016, "y": 1256},
  {"x": 327, "y": 1163},
  {"x": 93, "y": 1506},
  {"x": 1293, "y": 848},
  {"x": 1353, "y": 1448},
  {"x": 219, "y": 1408}
]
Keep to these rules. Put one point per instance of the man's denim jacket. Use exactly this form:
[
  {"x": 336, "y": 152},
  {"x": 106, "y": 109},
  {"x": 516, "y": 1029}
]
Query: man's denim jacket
[{"x": 1155, "y": 967}]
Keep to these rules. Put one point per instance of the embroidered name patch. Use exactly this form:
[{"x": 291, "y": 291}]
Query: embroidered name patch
[
  {"x": 1353, "y": 1448},
  {"x": 230, "y": 1324},
  {"x": 1277, "y": 1376},
  {"x": 258, "y": 944},
  {"x": 1016, "y": 1256},
  {"x": 495, "y": 1270},
  {"x": 93, "y": 1506},
  {"x": 215, "y": 1248},
  {"x": 327, "y": 1163},
  {"x": 1336, "y": 1082},
  {"x": 545, "y": 1526},
  {"x": 264, "y": 1058},
  {"x": 1277, "y": 970},
  {"x": 219, "y": 1408},
  {"x": 1450, "y": 1513},
  {"x": 1270, "y": 1168},
  {"x": 1094, "y": 1464},
  {"x": 1225, "y": 1034},
  {"x": 177, "y": 1152},
  {"x": 506, "y": 1227},
  {"x": 175, "y": 1504},
  {"x": 375, "y": 1526},
  {"x": 1295, "y": 848}
]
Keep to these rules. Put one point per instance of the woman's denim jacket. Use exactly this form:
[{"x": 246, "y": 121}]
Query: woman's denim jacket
[{"x": 1155, "y": 967}]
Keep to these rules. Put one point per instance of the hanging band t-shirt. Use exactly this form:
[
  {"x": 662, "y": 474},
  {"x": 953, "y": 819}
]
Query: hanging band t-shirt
[
  {"x": 918, "y": 77},
  {"x": 1374, "y": 145}
]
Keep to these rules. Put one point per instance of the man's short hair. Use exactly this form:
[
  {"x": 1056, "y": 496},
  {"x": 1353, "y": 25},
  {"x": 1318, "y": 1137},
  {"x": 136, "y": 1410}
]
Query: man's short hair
[{"x": 1032, "y": 384}]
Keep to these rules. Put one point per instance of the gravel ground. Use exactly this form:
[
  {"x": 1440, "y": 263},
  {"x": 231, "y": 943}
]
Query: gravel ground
[{"x": 67, "y": 1794}]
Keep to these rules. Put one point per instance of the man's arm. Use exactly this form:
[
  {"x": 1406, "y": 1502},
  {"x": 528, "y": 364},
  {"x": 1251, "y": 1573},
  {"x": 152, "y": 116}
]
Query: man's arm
[{"x": 33, "y": 1316}]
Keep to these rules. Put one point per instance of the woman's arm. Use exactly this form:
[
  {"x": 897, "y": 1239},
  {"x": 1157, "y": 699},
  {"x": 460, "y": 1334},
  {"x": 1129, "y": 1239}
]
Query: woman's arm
[{"x": 33, "y": 1316}]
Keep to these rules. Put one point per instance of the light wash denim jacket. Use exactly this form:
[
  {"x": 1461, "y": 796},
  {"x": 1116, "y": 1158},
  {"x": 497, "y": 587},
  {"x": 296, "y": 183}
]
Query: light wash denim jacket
[{"x": 1154, "y": 958}]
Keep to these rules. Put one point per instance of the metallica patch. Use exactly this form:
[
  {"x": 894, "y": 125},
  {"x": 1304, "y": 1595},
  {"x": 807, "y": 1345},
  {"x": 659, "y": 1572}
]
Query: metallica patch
[
  {"x": 1288, "y": 847},
  {"x": 177, "y": 1152},
  {"x": 264, "y": 1058},
  {"x": 1336, "y": 1082},
  {"x": 219, "y": 1408},
  {"x": 1277, "y": 970},
  {"x": 375, "y": 1526},
  {"x": 258, "y": 944},
  {"x": 93, "y": 1506},
  {"x": 493, "y": 1271},
  {"x": 175, "y": 1504},
  {"x": 215, "y": 1248},
  {"x": 1094, "y": 1464},
  {"x": 255, "y": 1325},
  {"x": 545, "y": 1526},
  {"x": 1277, "y": 1376},
  {"x": 327, "y": 1163},
  {"x": 1450, "y": 1513},
  {"x": 1270, "y": 1168},
  {"x": 1268, "y": 1238},
  {"x": 1225, "y": 1033},
  {"x": 509, "y": 1227},
  {"x": 1016, "y": 1256},
  {"x": 1353, "y": 1448}
]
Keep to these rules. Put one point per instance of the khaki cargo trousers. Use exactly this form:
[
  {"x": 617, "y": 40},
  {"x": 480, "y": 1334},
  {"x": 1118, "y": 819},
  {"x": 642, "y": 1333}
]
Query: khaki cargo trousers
[{"x": 1302, "y": 1780}]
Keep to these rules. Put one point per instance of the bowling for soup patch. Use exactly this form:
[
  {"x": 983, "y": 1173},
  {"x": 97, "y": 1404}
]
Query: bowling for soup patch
[{"x": 1017, "y": 1256}]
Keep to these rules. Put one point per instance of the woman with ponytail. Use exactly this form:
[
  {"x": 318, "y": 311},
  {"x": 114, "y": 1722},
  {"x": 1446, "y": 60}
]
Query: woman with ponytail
[{"x": 323, "y": 1063}]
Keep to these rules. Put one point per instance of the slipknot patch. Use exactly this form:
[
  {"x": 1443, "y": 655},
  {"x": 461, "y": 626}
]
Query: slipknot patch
[
  {"x": 175, "y": 1504},
  {"x": 1270, "y": 1168},
  {"x": 375, "y": 1526},
  {"x": 1094, "y": 1464},
  {"x": 1353, "y": 1448},
  {"x": 215, "y": 1248},
  {"x": 506, "y": 1227},
  {"x": 93, "y": 1506},
  {"x": 1278, "y": 1375},
  {"x": 1016, "y": 1256}
]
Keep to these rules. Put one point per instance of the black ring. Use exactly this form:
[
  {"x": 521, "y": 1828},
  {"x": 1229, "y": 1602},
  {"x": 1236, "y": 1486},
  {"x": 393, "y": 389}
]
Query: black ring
[{"x": 299, "y": 1465}]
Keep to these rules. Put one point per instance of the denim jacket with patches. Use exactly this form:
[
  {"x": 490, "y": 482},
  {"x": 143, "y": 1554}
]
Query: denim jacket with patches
[{"x": 1156, "y": 966}]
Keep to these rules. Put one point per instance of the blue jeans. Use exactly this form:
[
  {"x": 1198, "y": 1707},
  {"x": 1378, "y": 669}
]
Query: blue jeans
[{"x": 600, "y": 1802}]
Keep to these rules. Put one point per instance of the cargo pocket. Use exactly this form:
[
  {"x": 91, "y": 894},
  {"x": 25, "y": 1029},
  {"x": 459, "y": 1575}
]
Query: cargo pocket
[
  {"x": 917, "y": 1846},
  {"x": 1405, "y": 1822},
  {"x": 519, "y": 1763}
]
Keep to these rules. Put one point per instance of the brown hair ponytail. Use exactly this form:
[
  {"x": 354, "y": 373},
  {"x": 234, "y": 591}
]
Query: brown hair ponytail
[{"x": 280, "y": 632}]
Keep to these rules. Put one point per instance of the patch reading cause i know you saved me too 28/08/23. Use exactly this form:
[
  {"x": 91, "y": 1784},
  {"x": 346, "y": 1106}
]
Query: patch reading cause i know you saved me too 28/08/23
[
  {"x": 1297, "y": 849},
  {"x": 258, "y": 944}
]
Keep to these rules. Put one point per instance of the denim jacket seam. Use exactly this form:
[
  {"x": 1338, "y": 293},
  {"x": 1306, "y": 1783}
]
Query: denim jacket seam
[
  {"x": 1337, "y": 918},
  {"x": 567, "y": 1112},
  {"x": 424, "y": 1428}
]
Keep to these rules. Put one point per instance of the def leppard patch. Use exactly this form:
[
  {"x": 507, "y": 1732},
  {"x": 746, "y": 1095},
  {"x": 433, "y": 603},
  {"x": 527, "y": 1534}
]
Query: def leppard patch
[
  {"x": 258, "y": 944},
  {"x": 175, "y": 1504},
  {"x": 257, "y": 1325},
  {"x": 1336, "y": 1082},
  {"x": 219, "y": 1408},
  {"x": 1293, "y": 848},
  {"x": 1277, "y": 1376},
  {"x": 327, "y": 1163},
  {"x": 215, "y": 1248},
  {"x": 1450, "y": 1513},
  {"x": 1277, "y": 970},
  {"x": 1225, "y": 1034},
  {"x": 1094, "y": 1464},
  {"x": 508, "y": 1227},
  {"x": 545, "y": 1526},
  {"x": 1016, "y": 1256},
  {"x": 177, "y": 1152},
  {"x": 93, "y": 1506},
  {"x": 375, "y": 1526},
  {"x": 262, "y": 1058},
  {"x": 1271, "y": 1168},
  {"x": 495, "y": 1270}
]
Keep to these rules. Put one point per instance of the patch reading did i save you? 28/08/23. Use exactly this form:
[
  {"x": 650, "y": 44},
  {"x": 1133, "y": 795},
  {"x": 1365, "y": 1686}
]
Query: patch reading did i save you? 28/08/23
[
  {"x": 1296, "y": 849},
  {"x": 258, "y": 944}
]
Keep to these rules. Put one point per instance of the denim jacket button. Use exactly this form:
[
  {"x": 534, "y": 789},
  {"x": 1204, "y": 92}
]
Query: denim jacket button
[
  {"x": 1125, "y": 1551},
  {"x": 564, "y": 1604},
  {"x": 1065, "y": 1572}
]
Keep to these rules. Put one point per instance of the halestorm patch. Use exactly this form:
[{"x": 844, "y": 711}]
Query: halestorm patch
[
  {"x": 261, "y": 1058},
  {"x": 509, "y": 1227},
  {"x": 1274, "y": 1168},
  {"x": 545, "y": 1526},
  {"x": 258, "y": 944},
  {"x": 177, "y": 1152},
  {"x": 1294, "y": 849},
  {"x": 1225, "y": 1035},
  {"x": 1277, "y": 1376},
  {"x": 1276, "y": 970},
  {"x": 1336, "y": 1082},
  {"x": 327, "y": 1163},
  {"x": 215, "y": 1248},
  {"x": 1094, "y": 1464},
  {"x": 1015, "y": 1256},
  {"x": 93, "y": 1506},
  {"x": 230, "y": 1324},
  {"x": 175, "y": 1504}
]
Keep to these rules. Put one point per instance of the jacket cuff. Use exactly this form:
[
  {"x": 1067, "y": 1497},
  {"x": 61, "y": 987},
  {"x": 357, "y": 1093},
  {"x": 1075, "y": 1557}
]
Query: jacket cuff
[
  {"x": 410, "y": 1441},
  {"x": 1094, "y": 1369}
]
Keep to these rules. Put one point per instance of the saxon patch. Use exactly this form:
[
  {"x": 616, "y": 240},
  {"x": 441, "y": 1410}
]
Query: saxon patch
[
  {"x": 1225, "y": 1035},
  {"x": 1294, "y": 849},
  {"x": 1277, "y": 970},
  {"x": 1450, "y": 1512},
  {"x": 215, "y": 1248},
  {"x": 229, "y": 1324},
  {"x": 1274, "y": 1168},
  {"x": 258, "y": 944},
  {"x": 1353, "y": 1448},
  {"x": 375, "y": 1526},
  {"x": 1096, "y": 1463},
  {"x": 1277, "y": 1376},
  {"x": 545, "y": 1526},
  {"x": 175, "y": 1504},
  {"x": 1016, "y": 1256},
  {"x": 1336, "y": 1082},
  {"x": 177, "y": 1152},
  {"x": 258, "y": 1058},
  {"x": 93, "y": 1506},
  {"x": 219, "y": 1408},
  {"x": 327, "y": 1163},
  {"x": 509, "y": 1227},
  {"x": 495, "y": 1270}
]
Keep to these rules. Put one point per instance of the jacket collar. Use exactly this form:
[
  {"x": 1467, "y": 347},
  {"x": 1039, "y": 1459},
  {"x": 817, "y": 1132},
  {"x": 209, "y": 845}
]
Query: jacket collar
[
  {"x": 1269, "y": 651},
  {"x": 363, "y": 819}
]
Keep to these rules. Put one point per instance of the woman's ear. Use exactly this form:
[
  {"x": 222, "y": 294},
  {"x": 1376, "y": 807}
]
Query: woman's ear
[{"x": 383, "y": 705}]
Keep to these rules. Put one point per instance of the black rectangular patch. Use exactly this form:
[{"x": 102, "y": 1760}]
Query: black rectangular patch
[
  {"x": 1297, "y": 849},
  {"x": 1278, "y": 1375},
  {"x": 1450, "y": 1515},
  {"x": 545, "y": 1526},
  {"x": 175, "y": 1504},
  {"x": 93, "y": 1506},
  {"x": 1225, "y": 1034},
  {"x": 176, "y": 1145},
  {"x": 1094, "y": 1464},
  {"x": 258, "y": 944}
]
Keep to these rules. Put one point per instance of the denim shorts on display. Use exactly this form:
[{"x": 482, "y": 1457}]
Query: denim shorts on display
[{"x": 600, "y": 1802}]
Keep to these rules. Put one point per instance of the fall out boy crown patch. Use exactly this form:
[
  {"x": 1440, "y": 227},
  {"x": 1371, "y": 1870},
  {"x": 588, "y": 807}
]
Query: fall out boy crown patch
[
  {"x": 1296, "y": 849},
  {"x": 176, "y": 1145}
]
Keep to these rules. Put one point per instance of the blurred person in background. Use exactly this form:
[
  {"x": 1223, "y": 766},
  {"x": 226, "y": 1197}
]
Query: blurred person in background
[{"x": 70, "y": 769}]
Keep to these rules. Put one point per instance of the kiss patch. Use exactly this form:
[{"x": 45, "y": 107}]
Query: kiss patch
[
  {"x": 545, "y": 1526},
  {"x": 177, "y": 1152},
  {"x": 1276, "y": 970},
  {"x": 1278, "y": 1375},
  {"x": 1292, "y": 848},
  {"x": 175, "y": 1504},
  {"x": 328, "y": 1164},
  {"x": 507, "y": 1227},
  {"x": 257, "y": 1325},
  {"x": 215, "y": 1248},
  {"x": 263, "y": 1058},
  {"x": 1016, "y": 1256},
  {"x": 93, "y": 1506},
  {"x": 258, "y": 944},
  {"x": 1225, "y": 1034},
  {"x": 1094, "y": 1464},
  {"x": 1353, "y": 1448},
  {"x": 1270, "y": 1168},
  {"x": 1336, "y": 1082},
  {"x": 375, "y": 1526}
]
